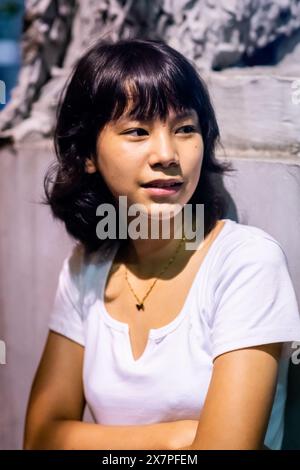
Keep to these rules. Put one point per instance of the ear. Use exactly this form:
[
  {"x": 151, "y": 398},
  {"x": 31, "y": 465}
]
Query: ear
[{"x": 90, "y": 166}]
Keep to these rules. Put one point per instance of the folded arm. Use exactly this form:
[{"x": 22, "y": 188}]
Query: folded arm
[{"x": 239, "y": 400}]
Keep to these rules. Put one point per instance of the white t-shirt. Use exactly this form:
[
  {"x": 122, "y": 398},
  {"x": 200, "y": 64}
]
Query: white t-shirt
[{"x": 241, "y": 296}]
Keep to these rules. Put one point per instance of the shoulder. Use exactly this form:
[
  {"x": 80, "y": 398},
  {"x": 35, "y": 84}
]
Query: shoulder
[
  {"x": 83, "y": 271},
  {"x": 77, "y": 290},
  {"x": 247, "y": 259},
  {"x": 242, "y": 244},
  {"x": 80, "y": 268},
  {"x": 78, "y": 261},
  {"x": 252, "y": 297}
]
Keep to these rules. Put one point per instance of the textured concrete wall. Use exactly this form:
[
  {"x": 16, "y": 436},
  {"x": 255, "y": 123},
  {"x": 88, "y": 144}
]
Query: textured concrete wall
[
  {"x": 31, "y": 250},
  {"x": 257, "y": 111},
  {"x": 267, "y": 195},
  {"x": 32, "y": 247}
]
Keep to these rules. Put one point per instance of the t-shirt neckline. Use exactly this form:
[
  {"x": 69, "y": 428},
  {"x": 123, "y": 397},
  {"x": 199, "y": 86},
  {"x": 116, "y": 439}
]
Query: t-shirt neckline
[{"x": 155, "y": 333}]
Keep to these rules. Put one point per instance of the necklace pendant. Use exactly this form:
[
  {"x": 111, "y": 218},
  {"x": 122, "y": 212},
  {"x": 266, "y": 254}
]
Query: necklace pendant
[{"x": 140, "y": 306}]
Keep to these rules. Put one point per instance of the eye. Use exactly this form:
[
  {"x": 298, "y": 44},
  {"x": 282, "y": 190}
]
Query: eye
[
  {"x": 187, "y": 129},
  {"x": 140, "y": 132}
]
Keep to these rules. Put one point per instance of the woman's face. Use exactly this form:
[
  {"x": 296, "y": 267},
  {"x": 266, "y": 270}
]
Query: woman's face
[{"x": 131, "y": 153}]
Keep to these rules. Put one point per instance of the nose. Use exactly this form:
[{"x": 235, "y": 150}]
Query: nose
[{"x": 163, "y": 150}]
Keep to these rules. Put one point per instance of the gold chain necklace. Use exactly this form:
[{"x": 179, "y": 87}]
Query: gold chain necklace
[{"x": 140, "y": 304}]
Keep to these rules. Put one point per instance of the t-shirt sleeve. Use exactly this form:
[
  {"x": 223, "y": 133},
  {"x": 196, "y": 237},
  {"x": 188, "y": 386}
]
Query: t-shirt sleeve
[
  {"x": 254, "y": 299},
  {"x": 66, "y": 314}
]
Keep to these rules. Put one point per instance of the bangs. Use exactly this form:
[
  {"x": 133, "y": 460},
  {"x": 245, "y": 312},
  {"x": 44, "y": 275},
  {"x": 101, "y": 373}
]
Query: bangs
[
  {"x": 146, "y": 100},
  {"x": 145, "y": 85}
]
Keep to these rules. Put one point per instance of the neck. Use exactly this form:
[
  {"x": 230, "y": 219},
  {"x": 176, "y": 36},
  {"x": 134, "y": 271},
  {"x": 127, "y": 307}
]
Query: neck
[{"x": 148, "y": 256}]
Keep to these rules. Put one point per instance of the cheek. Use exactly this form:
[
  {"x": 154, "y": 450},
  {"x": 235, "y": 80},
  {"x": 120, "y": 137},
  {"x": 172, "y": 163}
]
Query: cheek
[
  {"x": 199, "y": 150},
  {"x": 118, "y": 174},
  {"x": 115, "y": 156},
  {"x": 195, "y": 159},
  {"x": 192, "y": 166},
  {"x": 110, "y": 162}
]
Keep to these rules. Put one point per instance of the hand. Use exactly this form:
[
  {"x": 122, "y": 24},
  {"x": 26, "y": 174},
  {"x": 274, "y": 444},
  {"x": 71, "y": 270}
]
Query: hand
[{"x": 184, "y": 433}]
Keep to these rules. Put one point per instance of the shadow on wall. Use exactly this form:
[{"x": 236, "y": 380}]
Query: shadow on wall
[{"x": 231, "y": 211}]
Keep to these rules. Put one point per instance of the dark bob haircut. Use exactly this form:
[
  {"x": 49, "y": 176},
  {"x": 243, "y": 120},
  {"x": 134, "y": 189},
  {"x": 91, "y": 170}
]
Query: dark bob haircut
[{"x": 159, "y": 79}]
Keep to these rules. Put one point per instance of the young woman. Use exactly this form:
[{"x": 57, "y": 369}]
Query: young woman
[{"x": 170, "y": 347}]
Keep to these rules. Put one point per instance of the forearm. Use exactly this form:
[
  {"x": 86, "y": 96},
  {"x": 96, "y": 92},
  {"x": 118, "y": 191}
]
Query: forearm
[{"x": 67, "y": 434}]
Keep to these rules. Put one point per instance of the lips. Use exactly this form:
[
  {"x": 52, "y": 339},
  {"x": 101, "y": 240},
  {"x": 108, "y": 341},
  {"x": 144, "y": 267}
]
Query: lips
[
  {"x": 171, "y": 183},
  {"x": 163, "y": 188}
]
